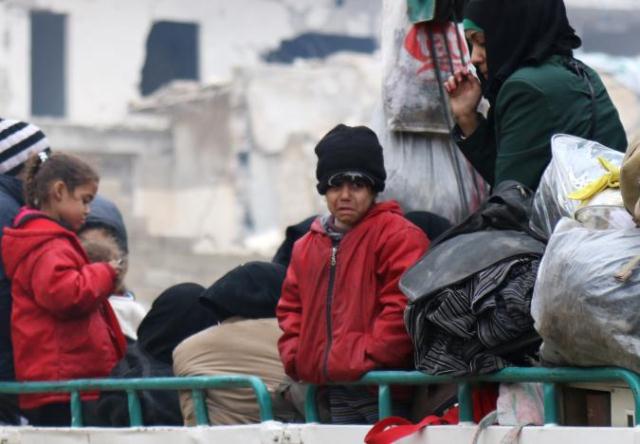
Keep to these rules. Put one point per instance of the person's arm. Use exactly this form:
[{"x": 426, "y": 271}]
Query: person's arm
[
  {"x": 289, "y": 313},
  {"x": 389, "y": 345},
  {"x": 472, "y": 133},
  {"x": 525, "y": 123},
  {"x": 66, "y": 289},
  {"x": 479, "y": 148}
]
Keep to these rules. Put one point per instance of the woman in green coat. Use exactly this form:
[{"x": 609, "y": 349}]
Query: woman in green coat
[{"x": 523, "y": 54}]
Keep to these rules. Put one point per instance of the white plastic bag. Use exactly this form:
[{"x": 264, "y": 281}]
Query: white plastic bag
[
  {"x": 575, "y": 164},
  {"x": 584, "y": 315},
  {"x": 414, "y": 98},
  {"x": 428, "y": 172},
  {"x": 425, "y": 169},
  {"x": 520, "y": 404}
]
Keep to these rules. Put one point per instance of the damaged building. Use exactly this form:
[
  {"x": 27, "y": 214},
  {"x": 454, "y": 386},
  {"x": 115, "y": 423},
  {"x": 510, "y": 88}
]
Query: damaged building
[{"x": 201, "y": 116}]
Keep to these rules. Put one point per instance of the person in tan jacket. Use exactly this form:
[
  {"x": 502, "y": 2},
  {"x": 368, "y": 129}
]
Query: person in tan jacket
[
  {"x": 245, "y": 342},
  {"x": 236, "y": 346}
]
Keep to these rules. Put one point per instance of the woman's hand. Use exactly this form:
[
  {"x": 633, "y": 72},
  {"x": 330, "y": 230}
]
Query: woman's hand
[{"x": 465, "y": 93}]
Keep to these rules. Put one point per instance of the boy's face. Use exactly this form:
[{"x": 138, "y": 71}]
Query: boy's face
[{"x": 348, "y": 202}]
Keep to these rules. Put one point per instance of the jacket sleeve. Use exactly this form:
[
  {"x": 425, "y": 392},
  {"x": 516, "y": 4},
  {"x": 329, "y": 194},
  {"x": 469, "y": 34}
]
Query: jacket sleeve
[
  {"x": 66, "y": 289},
  {"x": 480, "y": 147},
  {"x": 9, "y": 211},
  {"x": 289, "y": 313},
  {"x": 390, "y": 345}
]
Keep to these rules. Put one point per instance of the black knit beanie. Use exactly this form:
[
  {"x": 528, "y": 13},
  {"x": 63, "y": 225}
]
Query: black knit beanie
[{"x": 350, "y": 148}]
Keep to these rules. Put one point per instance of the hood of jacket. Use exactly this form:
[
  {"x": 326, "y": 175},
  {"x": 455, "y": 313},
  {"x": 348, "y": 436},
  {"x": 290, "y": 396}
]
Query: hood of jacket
[
  {"x": 31, "y": 229},
  {"x": 105, "y": 214},
  {"x": 376, "y": 209}
]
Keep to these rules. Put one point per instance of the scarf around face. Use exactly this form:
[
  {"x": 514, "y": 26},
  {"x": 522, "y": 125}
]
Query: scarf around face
[{"x": 520, "y": 33}]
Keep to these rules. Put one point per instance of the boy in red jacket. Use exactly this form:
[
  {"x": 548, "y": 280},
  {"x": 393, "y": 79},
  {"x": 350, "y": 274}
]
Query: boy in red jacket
[{"x": 341, "y": 310}]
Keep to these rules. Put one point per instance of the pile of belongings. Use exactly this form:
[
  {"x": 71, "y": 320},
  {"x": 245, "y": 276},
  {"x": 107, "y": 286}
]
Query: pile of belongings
[
  {"x": 584, "y": 309},
  {"x": 470, "y": 295},
  {"x": 585, "y": 302},
  {"x": 582, "y": 182}
]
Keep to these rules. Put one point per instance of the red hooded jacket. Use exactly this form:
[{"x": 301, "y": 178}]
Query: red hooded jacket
[
  {"x": 341, "y": 309},
  {"x": 62, "y": 325}
]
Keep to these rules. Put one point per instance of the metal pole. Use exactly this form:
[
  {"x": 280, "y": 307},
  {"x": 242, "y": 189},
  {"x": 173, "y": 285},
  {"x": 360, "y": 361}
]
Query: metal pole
[
  {"x": 310, "y": 409},
  {"x": 76, "y": 409},
  {"x": 135, "y": 411},
  {"x": 550, "y": 404},
  {"x": 202, "y": 418},
  {"x": 384, "y": 401},
  {"x": 465, "y": 402}
]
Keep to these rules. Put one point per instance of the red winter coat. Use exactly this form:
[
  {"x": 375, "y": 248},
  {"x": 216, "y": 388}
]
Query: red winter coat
[
  {"x": 339, "y": 332},
  {"x": 62, "y": 325}
]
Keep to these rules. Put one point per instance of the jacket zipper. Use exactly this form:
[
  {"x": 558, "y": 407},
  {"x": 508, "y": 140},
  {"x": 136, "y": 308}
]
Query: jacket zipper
[{"x": 332, "y": 276}]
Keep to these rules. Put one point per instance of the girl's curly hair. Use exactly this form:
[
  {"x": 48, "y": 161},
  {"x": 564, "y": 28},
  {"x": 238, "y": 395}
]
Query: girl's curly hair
[{"x": 41, "y": 170}]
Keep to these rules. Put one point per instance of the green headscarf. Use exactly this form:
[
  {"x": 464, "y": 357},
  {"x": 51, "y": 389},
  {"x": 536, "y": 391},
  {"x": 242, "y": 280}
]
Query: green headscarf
[
  {"x": 470, "y": 25},
  {"x": 520, "y": 33}
]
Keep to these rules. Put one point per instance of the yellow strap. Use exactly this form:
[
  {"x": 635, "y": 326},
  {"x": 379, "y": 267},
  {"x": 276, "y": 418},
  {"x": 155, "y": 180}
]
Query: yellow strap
[{"x": 610, "y": 179}]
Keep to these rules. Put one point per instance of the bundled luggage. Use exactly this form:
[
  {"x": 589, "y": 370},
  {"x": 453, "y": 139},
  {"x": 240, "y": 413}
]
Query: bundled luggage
[
  {"x": 422, "y": 45},
  {"x": 585, "y": 300},
  {"x": 416, "y": 59},
  {"x": 582, "y": 181},
  {"x": 469, "y": 296},
  {"x": 585, "y": 314}
]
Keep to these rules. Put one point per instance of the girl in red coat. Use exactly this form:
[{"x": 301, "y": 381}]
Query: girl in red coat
[{"x": 62, "y": 325}]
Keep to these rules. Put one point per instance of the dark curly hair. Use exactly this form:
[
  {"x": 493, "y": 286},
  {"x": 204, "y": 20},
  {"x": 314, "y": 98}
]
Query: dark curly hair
[{"x": 42, "y": 170}]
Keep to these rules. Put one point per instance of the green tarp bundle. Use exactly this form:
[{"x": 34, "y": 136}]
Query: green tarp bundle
[
  {"x": 435, "y": 10},
  {"x": 421, "y": 10}
]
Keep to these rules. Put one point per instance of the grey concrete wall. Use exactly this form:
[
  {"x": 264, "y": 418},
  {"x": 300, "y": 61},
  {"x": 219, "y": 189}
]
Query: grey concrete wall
[{"x": 106, "y": 43}]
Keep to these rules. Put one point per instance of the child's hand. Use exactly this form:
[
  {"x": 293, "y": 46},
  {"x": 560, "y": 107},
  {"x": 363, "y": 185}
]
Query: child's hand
[{"x": 117, "y": 265}]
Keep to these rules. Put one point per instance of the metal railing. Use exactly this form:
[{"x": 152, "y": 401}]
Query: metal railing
[
  {"x": 550, "y": 377},
  {"x": 131, "y": 386}
]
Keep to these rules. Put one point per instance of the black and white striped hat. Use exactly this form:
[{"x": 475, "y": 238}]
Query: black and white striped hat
[{"x": 18, "y": 140}]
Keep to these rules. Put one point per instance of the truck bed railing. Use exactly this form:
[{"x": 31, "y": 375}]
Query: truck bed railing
[
  {"x": 550, "y": 377},
  {"x": 132, "y": 385}
]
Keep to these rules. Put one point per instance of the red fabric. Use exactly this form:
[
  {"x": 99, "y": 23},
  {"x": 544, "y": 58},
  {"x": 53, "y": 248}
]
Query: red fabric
[
  {"x": 485, "y": 400},
  {"x": 62, "y": 324},
  {"x": 366, "y": 316},
  {"x": 390, "y": 430}
]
